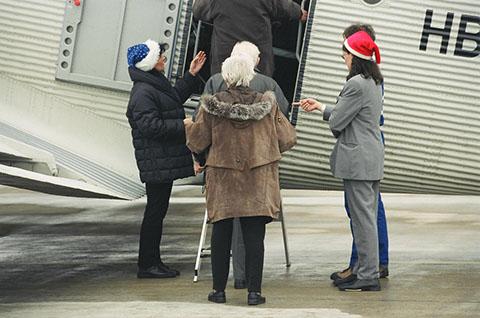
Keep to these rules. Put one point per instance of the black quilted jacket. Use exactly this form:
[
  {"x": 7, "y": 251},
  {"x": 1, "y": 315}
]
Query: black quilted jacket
[{"x": 155, "y": 113}]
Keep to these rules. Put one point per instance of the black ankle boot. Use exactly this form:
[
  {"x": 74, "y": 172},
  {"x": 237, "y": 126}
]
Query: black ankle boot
[
  {"x": 154, "y": 272},
  {"x": 345, "y": 280},
  {"x": 217, "y": 297},
  {"x": 361, "y": 285},
  {"x": 255, "y": 298},
  {"x": 383, "y": 271},
  {"x": 167, "y": 268}
]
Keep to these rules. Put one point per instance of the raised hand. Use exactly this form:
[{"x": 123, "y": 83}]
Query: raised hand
[{"x": 197, "y": 63}]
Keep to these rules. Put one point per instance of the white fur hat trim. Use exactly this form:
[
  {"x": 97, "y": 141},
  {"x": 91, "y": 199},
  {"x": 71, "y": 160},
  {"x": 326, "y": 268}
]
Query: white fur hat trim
[{"x": 149, "y": 62}]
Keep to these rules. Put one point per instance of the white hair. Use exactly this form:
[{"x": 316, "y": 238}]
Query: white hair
[
  {"x": 238, "y": 70},
  {"x": 248, "y": 49}
]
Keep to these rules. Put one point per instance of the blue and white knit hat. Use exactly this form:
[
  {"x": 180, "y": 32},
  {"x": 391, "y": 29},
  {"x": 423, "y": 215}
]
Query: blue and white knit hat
[{"x": 144, "y": 56}]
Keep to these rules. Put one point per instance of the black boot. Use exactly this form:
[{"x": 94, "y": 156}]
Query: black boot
[
  {"x": 217, "y": 297},
  {"x": 154, "y": 272},
  {"x": 167, "y": 268},
  {"x": 341, "y": 274},
  {"x": 361, "y": 285},
  {"x": 383, "y": 271},
  {"x": 255, "y": 298},
  {"x": 348, "y": 279}
]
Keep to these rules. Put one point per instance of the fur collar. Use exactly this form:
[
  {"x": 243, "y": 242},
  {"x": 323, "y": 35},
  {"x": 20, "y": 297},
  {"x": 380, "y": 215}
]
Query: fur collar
[{"x": 239, "y": 112}]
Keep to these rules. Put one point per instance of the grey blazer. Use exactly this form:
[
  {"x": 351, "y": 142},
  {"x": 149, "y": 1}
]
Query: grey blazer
[{"x": 359, "y": 152}]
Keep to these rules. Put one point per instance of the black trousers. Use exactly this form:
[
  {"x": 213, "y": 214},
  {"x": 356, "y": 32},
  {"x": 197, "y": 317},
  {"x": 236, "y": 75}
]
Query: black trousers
[
  {"x": 158, "y": 197},
  {"x": 253, "y": 230}
]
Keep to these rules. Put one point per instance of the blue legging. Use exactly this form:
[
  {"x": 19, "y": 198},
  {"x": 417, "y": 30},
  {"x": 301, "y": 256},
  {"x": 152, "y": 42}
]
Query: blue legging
[{"x": 382, "y": 234}]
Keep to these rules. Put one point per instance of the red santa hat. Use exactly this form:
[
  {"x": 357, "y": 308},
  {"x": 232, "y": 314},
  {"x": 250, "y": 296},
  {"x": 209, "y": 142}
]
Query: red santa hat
[{"x": 361, "y": 45}]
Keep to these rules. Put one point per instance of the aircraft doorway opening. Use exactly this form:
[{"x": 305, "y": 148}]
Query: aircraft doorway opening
[{"x": 287, "y": 45}]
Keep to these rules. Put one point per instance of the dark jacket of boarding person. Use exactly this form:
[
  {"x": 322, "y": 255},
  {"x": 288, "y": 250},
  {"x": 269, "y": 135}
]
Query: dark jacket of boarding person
[
  {"x": 155, "y": 114},
  {"x": 358, "y": 154},
  {"x": 245, "y": 132},
  {"x": 244, "y": 20}
]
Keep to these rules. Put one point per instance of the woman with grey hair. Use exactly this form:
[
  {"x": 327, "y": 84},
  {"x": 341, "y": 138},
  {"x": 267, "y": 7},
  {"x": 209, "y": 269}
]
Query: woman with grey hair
[
  {"x": 245, "y": 132},
  {"x": 261, "y": 84}
]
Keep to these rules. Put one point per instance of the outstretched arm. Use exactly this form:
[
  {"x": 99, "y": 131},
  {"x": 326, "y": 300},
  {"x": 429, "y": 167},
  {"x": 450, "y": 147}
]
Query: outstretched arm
[
  {"x": 185, "y": 86},
  {"x": 348, "y": 105}
]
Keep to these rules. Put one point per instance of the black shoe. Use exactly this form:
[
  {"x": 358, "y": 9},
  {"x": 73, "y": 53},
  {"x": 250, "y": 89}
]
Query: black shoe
[
  {"x": 255, "y": 298},
  {"x": 168, "y": 269},
  {"x": 217, "y": 297},
  {"x": 345, "y": 280},
  {"x": 342, "y": 274},
  {"x": 154, "y": 272},
  {"x": 240, "y": 284},
  {"x": 383, "y": 271},
  {"x": 361, "y": 285}
]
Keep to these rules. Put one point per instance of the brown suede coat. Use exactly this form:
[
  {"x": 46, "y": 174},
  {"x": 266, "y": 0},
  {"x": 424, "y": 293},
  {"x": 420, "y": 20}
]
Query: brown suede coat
[{"x": 241, "y": 128}]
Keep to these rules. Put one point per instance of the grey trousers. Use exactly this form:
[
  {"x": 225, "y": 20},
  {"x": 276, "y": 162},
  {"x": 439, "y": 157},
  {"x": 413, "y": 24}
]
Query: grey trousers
[
  {"x": 362, "y": 198},
  {"x": 238, "y": 251}
]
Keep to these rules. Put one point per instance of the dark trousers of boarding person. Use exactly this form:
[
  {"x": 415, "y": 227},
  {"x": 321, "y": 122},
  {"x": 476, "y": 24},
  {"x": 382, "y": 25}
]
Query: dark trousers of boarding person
[
  {"x": 158, "y": 197},
  {"x": 362, "y": 198},
  {"x": 253, "y": 230}
]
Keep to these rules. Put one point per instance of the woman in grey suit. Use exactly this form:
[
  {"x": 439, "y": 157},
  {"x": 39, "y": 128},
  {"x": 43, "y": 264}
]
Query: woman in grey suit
[{"x": 358, "y": 155}]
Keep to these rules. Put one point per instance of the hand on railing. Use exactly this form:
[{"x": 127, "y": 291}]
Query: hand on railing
[
  {"x": 197, "y": 167},
  {"x": 304, "y": 15}
]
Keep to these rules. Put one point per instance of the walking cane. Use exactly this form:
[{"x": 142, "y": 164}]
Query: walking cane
[{"x": 203, "y": 237}]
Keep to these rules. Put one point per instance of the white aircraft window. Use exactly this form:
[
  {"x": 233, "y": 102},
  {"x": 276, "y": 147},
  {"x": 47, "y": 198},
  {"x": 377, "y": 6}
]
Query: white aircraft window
[{"x": 372, "y": 2}]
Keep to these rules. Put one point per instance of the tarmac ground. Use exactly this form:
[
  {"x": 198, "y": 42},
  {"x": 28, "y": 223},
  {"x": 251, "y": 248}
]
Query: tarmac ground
[{"x": 76, "y": 257}]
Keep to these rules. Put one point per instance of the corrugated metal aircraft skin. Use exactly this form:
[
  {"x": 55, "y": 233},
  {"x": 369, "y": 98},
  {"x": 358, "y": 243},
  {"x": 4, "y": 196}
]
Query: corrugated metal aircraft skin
[
  {"x": 29, "y": 43},
  {"x": 432, "y": 106},
  {"x": 432, "y": 100}
]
